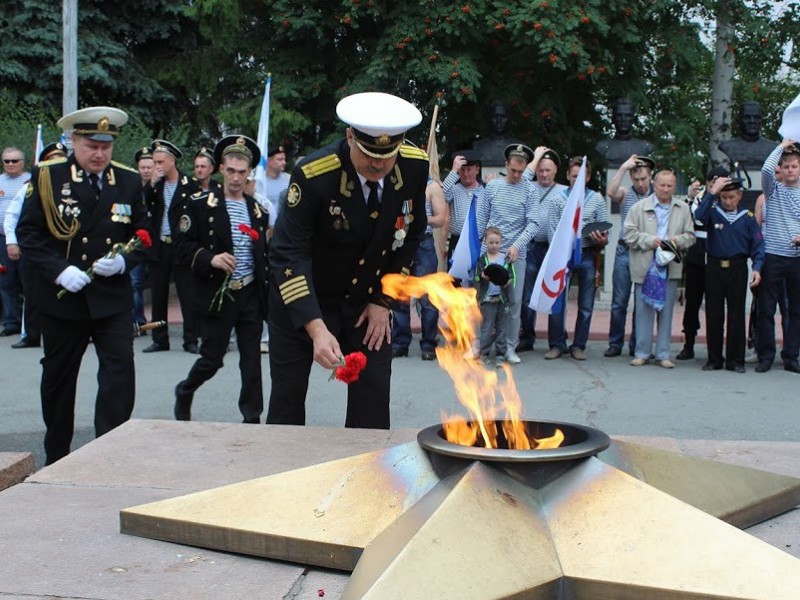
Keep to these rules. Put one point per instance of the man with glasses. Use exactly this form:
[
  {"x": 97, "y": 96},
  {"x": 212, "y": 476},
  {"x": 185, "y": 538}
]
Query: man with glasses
[{"x": 13, "y": 178}]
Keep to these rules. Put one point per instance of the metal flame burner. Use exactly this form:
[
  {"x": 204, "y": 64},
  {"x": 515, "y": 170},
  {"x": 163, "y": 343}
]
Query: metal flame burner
[
  {"x": 535, "y": 468},
  {"x": 579, "y": 442}
]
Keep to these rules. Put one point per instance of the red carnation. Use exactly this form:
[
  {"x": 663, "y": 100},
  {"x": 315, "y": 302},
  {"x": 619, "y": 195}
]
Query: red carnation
[
  {"x": 144, "y": 238},
  {"x": 3, "y": 269},
  {"x": 350, "y": 368},
  {"x": 249, "y": 232}
]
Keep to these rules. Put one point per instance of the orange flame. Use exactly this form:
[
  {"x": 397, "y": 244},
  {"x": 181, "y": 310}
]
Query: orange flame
[{"x": 476, "y": 387}]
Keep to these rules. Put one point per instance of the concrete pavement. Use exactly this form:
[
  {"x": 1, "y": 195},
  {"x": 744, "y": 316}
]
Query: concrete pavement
[{"x": 606, "y": 393}]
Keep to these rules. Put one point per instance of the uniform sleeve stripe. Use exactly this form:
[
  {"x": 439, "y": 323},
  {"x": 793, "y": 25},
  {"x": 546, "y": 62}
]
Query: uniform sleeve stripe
[
  {"x": 293, "y": 288},
  {"x": 293, "y": 280},
  {"x": 289, "y": 298}
]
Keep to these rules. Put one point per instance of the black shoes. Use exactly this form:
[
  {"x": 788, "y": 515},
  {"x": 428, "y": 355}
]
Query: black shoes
[
  {"x": 791, "y": 365},
  {"x": 154, "y": 347},
  {"x": 183, "y": 405},
  {"x": 8, "y": 332},
  {"x": 687, "y": 353},
  {"x": 612, "y": 352},
  {"x": 763, "y": 366},
  {"x": 192, "y": 348},
  {"x": 709, "y": 366},
  {"x": 524, "y": 347},
  {"x": 399, "y": 352},
  {"x": 427, "y": 355},
  {"x": 735, "y": 368},
  {"x": 25, "y": 342}
]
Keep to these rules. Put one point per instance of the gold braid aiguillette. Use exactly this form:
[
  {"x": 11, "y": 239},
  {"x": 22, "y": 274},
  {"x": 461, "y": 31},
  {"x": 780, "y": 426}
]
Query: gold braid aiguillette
[{"x": 55, "y": 223}]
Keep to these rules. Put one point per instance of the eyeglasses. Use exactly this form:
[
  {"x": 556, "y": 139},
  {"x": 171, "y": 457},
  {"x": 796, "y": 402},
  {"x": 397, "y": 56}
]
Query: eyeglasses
[{"x": 11, "y": 161}]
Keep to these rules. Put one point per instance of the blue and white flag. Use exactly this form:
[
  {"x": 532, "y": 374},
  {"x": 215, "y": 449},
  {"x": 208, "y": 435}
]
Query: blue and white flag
[
  {"x": 550, "y": 289},
  {"x": 263, "y": 141},
  {"x": 468, "y": 248},
  {"x": 38, "y": 146}
]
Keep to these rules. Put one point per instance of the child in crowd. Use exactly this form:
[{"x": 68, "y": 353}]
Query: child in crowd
[{"x": 493, "y": 277}]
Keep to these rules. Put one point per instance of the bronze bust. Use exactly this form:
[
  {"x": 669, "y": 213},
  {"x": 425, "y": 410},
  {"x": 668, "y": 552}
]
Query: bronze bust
[
  {"x": 618, "y": 149},
  {"x": 489, "y": 150},
  {"x": 750, "y": 150}
]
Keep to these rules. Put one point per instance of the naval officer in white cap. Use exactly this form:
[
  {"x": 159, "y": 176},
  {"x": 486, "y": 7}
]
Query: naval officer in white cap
[
  {"x": 355, "y": 210},
  {"x": 77, "y": 209}
]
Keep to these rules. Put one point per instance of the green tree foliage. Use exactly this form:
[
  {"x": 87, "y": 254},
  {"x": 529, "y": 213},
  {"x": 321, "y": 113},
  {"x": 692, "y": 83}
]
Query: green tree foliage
[{"x": 196, "y": 69}]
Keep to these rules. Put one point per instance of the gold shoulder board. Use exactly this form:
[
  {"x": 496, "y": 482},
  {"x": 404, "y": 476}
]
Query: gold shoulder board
[
  {"x": 53, "y": 161},
  {"x": 322, "y": 165},
  {"x": 407, "y": 151},
  {"x": 125, "y": 167}
]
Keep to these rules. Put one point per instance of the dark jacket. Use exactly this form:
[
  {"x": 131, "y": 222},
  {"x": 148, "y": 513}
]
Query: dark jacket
[
  {"x": 326, "y": 249},
  {"x": 204, "y": 230},
  {"x": 112, "y": 219},
  {"x": 154, "y": 197}
]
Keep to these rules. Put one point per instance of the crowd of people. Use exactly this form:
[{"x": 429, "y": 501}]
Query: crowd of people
[
  {"x": 84, "y": 234},
  {"x": 708, "y": 240}
]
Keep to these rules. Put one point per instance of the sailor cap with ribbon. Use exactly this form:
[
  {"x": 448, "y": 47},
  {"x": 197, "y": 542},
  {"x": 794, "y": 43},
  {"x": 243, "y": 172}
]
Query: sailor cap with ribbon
[
  {"x": 167, "y": 147},
  {"x": 98, "y": 123},
  {"x": 378, "y": 121}
]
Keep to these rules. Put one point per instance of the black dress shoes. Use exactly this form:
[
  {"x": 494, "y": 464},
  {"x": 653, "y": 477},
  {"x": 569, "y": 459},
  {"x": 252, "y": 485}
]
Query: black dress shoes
[
  {"x": 687, "y": 353},
  {"x": 763, "y": 366},
  {"x": 26, "y": 342},
  {"x": 525, "y": 347},
  {"x": 428, "y": 355},
  {"x": 612, "y": 352},
  {"x": 183, "y": 405},
  {"x": 399, "y": 352},
  {"x": 709, "y": 366},
  {"x": 154, "y": 347},
  {"x": 735, "y": 368},
  {"x": 192, "y": 348},
  {"x": 791, "y": 365},
  {"x": 8, "y": 332}
]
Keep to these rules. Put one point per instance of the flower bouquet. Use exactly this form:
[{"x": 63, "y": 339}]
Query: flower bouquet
[
  {"x": 350, "y": 367},
  {"x": 224, "y": 290},
  {"x": 141, "y": 239}
]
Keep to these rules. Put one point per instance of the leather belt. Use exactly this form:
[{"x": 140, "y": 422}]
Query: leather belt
[
  {"x": 237, "y": 284},
  {"x": 166, "y": 239},
  {"x": 725, "y": 263}
]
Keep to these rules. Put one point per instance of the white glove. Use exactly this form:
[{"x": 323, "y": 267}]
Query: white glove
[
  {"x": 72, "y": 279},
  {"x": 106, "y": 267}
]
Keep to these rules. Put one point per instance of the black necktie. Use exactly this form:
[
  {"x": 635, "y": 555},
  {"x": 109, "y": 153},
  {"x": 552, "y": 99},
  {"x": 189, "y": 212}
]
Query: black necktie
[
  {"x": 373, "y": 203},
  {"x": 94, "y": 180}
]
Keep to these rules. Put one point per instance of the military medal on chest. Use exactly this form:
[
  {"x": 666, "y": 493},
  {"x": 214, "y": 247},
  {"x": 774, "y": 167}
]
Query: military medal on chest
[
  {"x": 402, "y": 224},
  {"x": 339, "y": 218}
]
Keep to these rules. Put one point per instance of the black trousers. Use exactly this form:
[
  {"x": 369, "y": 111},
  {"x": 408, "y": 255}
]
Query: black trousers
[
  {"x": 726, "y": 288},
  {"x": 777, "y": 272},
  {"x": 292, "y": 354},
  {"x": 695, "y": 272},
  {"x": 32, "y": 319},
  {"x": 160, "y": 273},
  {"x": 65, "y": 342},
  {"x": 243, "y": 314}
]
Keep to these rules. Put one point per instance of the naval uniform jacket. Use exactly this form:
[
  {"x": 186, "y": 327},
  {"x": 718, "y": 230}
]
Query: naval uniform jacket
[
  {"x": 203, "y": 231},
  {"x": 154, "y": 197},
  {"x": 731, "y": 239},
  {"x": 327, "y": 250},
  {"x": 111, "y": 219}
]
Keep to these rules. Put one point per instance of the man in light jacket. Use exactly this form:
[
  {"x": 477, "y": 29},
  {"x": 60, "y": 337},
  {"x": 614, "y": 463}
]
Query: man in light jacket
[{"x": 651, "y": 222}]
